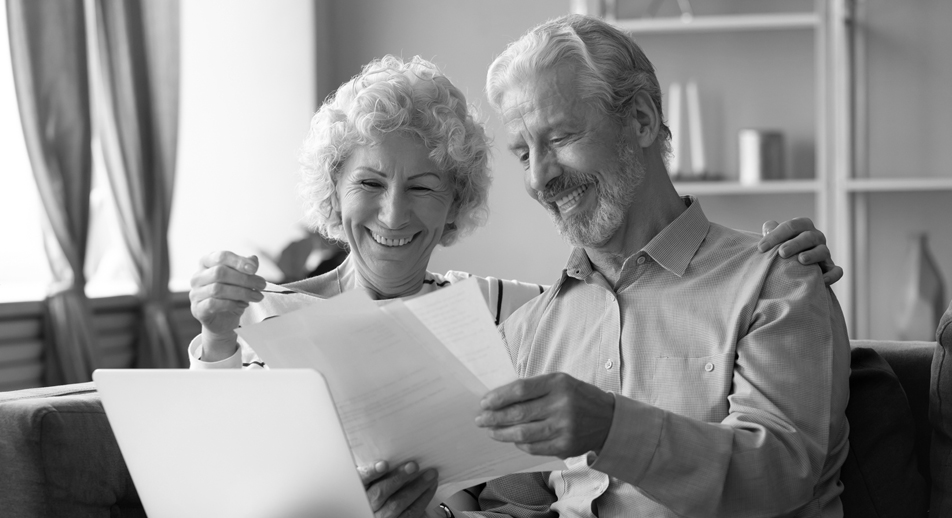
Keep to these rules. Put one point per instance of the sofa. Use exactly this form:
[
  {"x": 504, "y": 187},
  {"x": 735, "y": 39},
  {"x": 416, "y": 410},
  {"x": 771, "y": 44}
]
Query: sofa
[{"x": 58, "y": 457}]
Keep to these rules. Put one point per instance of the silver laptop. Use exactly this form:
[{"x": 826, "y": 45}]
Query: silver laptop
[{"x": 252, "y": 444}]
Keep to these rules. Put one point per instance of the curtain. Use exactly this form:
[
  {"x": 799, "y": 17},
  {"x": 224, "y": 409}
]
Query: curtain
[
  {"x": 137, "y": 123},
  {"x": 48, "y": 52}
]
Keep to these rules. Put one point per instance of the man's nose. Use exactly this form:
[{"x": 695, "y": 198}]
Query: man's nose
[
  {"x": 394, "y": 210},
  {"x": 543, "y": 168}
]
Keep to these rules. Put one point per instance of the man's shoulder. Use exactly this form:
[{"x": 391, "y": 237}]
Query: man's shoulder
[
  {"x": 731, "y": 241},
  {"x": 730, "y": 256},
  {"x": 725, "y": 244}
]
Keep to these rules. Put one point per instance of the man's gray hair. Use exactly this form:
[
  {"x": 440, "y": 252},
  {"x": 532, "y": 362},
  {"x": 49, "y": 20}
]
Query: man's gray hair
[{"x": 611, "y": 68}]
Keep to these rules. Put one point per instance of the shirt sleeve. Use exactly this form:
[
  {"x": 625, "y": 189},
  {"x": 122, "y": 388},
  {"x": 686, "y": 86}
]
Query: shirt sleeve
[
  {"x": 786, "y": 420},
  {"x": 521, "y": 495},
  {"x": 244, "y": 357}
]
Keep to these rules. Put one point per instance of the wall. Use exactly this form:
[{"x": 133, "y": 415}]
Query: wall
[
  {"x": 462, "y": 38},
  {"x": 908, "y": 75},
  {"x": 248, "y": 92}
]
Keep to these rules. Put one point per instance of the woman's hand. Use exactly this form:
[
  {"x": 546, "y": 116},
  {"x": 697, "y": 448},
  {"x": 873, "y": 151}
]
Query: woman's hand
[
  {"x": 403, "y": 492},
  {"x": 222, "y": 288},
  {"x": 800, "y": 236}
]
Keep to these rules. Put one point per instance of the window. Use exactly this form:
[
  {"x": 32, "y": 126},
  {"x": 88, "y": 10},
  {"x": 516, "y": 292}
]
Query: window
[{"x": 24, "y": 269}]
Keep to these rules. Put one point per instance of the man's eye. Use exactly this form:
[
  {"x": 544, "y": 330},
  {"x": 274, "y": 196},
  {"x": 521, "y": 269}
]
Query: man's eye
[{"x": 523, "y": 159}]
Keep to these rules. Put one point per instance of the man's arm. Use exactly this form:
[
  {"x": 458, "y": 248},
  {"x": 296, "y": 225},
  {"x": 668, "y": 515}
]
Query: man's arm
[{"x": 789, "y": 391}]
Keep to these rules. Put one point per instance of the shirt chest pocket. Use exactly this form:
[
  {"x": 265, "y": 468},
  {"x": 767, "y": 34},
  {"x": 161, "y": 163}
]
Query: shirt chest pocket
[{"x": 693, "y": 387}]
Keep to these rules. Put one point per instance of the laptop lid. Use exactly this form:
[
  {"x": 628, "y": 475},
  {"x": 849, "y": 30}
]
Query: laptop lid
[{"x": 249, "y": 444}]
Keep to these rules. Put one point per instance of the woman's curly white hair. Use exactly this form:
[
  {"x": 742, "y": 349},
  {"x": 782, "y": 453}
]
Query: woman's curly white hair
[{"x": 392, "y": 96}]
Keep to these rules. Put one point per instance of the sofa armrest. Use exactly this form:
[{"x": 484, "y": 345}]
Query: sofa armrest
[
  {"x": 58, "y": 456},
  {"x": 940, "y": 415}
]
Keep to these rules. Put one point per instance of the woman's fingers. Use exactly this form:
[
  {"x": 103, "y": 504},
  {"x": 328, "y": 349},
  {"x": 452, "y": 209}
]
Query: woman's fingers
[
  {"x": 230, "y": 259},
  {"x": 225, "y": 292}
]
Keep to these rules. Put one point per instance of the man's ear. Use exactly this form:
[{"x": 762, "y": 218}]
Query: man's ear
[{"x": 644, "y": 121}]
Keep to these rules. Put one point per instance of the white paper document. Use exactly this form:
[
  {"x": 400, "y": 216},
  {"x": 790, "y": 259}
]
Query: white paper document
[{"x": 407, "y": 378}]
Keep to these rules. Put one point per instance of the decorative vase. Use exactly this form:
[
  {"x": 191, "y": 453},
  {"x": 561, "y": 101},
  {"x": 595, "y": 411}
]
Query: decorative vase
[{"x": 923, "y": 295}]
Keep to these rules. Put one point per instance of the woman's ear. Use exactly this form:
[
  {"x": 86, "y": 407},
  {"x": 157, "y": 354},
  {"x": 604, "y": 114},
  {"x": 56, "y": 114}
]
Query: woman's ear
[
  {"x": 644, "y": 121},
  {"x": 453, "y": 213}
]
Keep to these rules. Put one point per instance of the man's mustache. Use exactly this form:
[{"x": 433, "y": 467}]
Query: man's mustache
[{"x": 567, "y": 180}]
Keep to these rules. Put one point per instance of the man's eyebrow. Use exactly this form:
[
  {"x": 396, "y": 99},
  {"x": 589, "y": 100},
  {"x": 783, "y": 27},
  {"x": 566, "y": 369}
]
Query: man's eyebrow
[{"x": 516, "y": 146}]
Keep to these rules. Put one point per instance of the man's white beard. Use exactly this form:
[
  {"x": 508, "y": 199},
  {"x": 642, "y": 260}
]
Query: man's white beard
[{"x": 613, "y": 197}]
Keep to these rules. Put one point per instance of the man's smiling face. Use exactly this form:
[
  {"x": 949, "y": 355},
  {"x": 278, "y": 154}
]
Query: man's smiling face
[{"x": 579, "y": 164}]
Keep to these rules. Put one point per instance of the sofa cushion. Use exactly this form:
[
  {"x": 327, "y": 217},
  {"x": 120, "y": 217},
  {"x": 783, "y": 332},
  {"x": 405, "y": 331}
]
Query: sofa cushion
[
  {"x": 940, "y": 415},
  {"x": 59, "y": 458},
  {"x": 880, "y": 475}
]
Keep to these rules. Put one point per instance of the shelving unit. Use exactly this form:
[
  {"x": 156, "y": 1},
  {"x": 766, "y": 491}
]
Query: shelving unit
[
  {"x": 715, "y": 187},
  {"x": 829, "y": 135},
  {"x": 742, "y": 22},
  {"x": 882, "y": 198},
  {"x": 860, "y": 185},
  {"x": 880, "y": 120}
]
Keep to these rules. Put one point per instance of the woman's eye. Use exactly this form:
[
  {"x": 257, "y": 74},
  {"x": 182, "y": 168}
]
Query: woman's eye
[
  {"x": 370, "y": 183},
  {"x": 420, "y": 188}
]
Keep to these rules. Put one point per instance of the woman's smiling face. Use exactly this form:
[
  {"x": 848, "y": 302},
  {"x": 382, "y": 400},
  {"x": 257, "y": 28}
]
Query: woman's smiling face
[{"x": 394, "y": 203}]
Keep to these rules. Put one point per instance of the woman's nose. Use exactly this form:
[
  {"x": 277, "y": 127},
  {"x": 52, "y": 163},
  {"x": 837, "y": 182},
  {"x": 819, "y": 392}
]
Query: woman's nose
[{"x": 394, "y": 211}]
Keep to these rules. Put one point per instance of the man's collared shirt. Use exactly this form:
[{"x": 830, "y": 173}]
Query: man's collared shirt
[{"x": 730, "y": 371}]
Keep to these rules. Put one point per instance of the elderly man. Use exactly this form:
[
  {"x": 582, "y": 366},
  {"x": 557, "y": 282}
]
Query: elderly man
[{"x": 679, "y": 371}]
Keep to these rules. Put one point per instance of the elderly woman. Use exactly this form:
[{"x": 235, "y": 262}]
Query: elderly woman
[{"x": 394, "y": 165}]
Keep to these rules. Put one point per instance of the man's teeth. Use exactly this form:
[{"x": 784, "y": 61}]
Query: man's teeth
[
  {"x": 570, "y": 198},
  {"x": 391, "y": 242}
]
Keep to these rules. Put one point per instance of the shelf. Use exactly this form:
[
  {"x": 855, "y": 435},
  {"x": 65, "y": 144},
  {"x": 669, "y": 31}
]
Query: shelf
[
  {"x": 740, "y": 22},
  {"x": 767, "y": 187},
  {"x": 898, "y": 184}
]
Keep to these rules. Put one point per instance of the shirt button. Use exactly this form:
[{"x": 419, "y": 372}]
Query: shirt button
[
  {"x": 609, "y": 364},
  {"x": 708, "y": 366},
  {"x": 641, "y": 259}
]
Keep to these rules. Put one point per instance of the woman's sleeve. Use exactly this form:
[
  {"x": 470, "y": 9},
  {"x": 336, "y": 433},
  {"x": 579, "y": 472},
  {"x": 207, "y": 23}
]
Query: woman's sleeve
[
  {"x": 505, "y": 296},
  {"x": 244, "y": 357}
]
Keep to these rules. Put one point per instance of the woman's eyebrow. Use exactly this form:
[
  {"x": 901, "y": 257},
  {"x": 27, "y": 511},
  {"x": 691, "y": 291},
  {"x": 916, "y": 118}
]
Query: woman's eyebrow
[
  {"x": 425, "y": 173},
  {"x": 369, "y": 169}
]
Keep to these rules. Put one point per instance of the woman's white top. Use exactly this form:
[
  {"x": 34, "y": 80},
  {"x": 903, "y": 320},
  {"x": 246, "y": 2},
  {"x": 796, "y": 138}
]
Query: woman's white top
[{"x": 503, "y": 297}]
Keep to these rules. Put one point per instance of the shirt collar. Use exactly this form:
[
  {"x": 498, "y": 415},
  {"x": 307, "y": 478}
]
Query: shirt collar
[
  {"x": 675, "y": 246},
  {"x": 672, "y": 248}
]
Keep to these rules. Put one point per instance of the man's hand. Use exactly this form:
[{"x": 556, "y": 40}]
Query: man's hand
[
  {"x": 403, "y": 492},
  {"x": 800, "y": 236},
  {"x": 553, "y": 414}
]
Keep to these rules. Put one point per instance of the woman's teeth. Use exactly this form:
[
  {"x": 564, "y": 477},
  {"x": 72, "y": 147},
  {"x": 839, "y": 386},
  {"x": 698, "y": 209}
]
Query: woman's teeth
[
  {"x": 569, "y": 199},
  {"x": 391, "y": 242}
]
